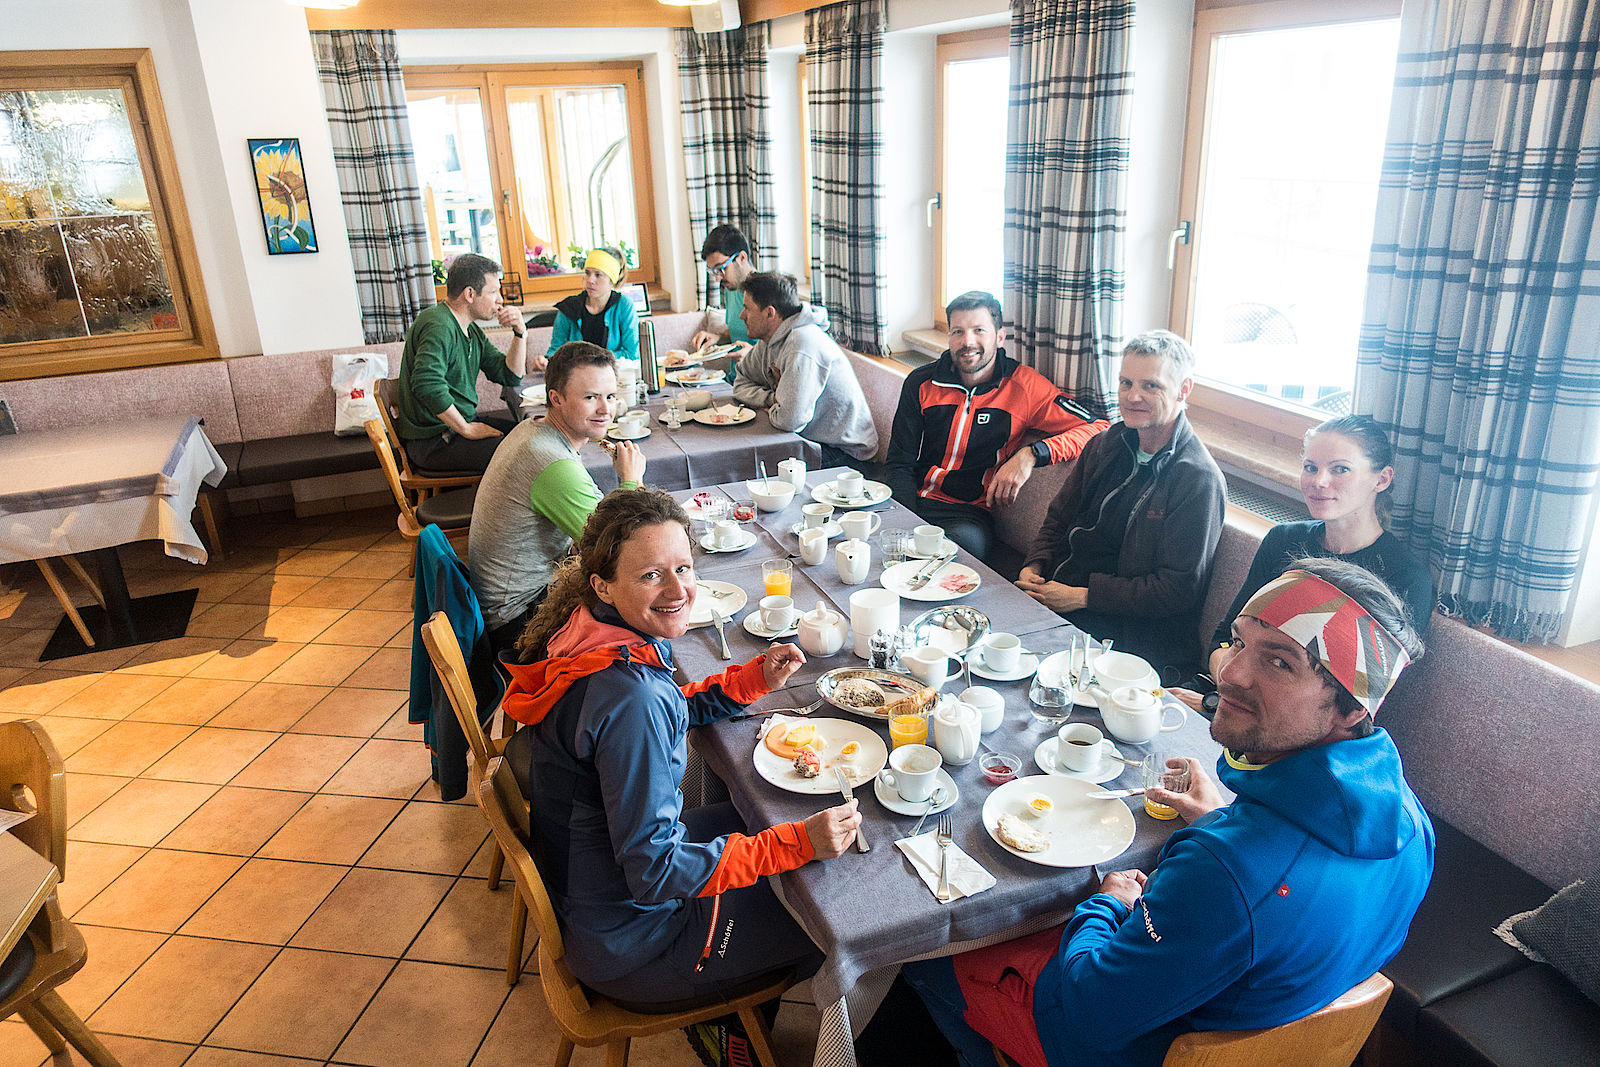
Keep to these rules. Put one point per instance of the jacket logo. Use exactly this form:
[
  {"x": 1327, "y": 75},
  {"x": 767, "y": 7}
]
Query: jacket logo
[
  {"x": 727, "y": 935},
  {"x": 1157, "y": 514},
  {"x": 1149, "y": 926},
  {"x": 982, "y": 419}
]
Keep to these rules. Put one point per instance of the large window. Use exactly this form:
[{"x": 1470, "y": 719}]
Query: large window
[
  {"x": 534, "y": 166},
  {"x": 969, "y": 211},
  {"x": 1287, "y": 118},
  {"x": 97, "y": 267}
]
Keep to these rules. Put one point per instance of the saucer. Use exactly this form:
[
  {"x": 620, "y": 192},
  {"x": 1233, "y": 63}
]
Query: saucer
[
  {"x": 746, "y": 539},
  {"x": 1045, "y": 757},
  {"x": 756, "y": 628},
  {"x": 1027, "y": 663},
  {"x": 872, "y": 494},
  {"x": 946, "y": 548},
  {"x": 831, "y": 528},
  {"x": 891, "y": 800},
  {"x": 616, "y": 436}
]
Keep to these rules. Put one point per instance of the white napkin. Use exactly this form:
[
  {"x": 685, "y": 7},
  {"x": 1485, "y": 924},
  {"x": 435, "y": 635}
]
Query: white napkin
[
  {"x": 769, "y": 722},
  {"x": 967, "y": 878}
]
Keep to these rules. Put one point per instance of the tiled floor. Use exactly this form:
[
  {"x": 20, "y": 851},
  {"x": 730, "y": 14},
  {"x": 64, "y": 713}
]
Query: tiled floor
[{"x": 263, "y": 871}]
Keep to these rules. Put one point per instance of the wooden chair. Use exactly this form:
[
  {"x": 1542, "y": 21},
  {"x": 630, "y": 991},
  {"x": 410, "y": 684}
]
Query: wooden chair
[
  {"x": 1331, "y": 1037},
  {"x": 61, "y": 594},
  {"x": 444, "y": 652},
  {"x": 450, "y": 511},
  {"x": 423, "y": 485},
  {"x": 584, "y": 1017},
  {"x": 33, "y": 778}
]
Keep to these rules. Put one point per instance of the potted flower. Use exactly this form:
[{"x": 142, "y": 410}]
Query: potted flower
[{"x": 540, "y": 261}]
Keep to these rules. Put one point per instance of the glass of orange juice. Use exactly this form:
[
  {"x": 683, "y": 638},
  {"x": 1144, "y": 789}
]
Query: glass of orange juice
[
  {"x": 777, "y": 576},
  {"x": 908, "y": 728}
]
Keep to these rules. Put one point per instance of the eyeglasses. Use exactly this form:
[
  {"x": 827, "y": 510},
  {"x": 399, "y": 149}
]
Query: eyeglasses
[{"x": 716, "y": 271}]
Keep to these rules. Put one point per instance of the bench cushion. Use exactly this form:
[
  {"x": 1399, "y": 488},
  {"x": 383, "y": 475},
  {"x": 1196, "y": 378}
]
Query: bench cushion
[
  {"x": 312, "y": 455},
  {"x": 116, "y": 396},
  {"x": 1532, "y": 1016},
  {"x": 231, "y": 454}
]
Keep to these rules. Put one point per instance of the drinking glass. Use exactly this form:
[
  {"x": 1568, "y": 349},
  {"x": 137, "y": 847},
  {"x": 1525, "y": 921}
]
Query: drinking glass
[
  {"x": 1051, "y": 699},
  {"x": 777, "y": 577},
  {"x": 716, "y": 511},
  {"x": 1156, "y": 773},
  {"x": 908, "y": 728},
  {"x": 894, "y": 546}
]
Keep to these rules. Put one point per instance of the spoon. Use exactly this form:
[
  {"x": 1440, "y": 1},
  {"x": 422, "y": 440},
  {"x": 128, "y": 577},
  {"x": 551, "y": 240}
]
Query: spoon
[{"x": 934, "y": 801}]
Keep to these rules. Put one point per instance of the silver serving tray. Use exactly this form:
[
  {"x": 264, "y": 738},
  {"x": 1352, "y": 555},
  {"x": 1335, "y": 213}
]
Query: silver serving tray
[
  {"x": 893, "y": 684},
  {"x": 965, "y": 623}
]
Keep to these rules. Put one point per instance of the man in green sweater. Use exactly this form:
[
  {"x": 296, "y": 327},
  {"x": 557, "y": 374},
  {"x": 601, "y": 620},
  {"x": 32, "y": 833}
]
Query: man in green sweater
[
  {"x": 438, "y": 389},
  {"x": 536, "y": 494}
]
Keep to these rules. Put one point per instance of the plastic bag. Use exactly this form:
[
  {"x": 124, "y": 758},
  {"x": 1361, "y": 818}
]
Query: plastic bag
[{"x": 355, "y": 377}]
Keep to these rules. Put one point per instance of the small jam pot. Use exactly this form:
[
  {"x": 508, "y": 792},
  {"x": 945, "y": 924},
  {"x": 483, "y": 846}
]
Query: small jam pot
[
  {"x": 999, "y": 768},
  {"x": 744, "y": 512}
]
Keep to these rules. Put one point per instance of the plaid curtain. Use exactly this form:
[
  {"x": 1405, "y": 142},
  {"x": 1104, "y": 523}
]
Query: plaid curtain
[
  {"x": 366, "y": 103},
  {"x": 1066, "y": 166},
  {"x": 1478, "y": 346},
  {"x": 726, "y": 146},
  {"x": 844, "y": 58}
]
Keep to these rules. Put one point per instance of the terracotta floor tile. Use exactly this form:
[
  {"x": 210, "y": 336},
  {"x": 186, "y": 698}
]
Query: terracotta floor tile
[
  {"x": 375, "y": 565},
  {"x": 39, "y": 691},
  {"x": 145, "y": 812},
  {"x": 375, "y": 912},
  {"x": 146, "y": 1006},
  {"x": 225, "y": 620},
  {"x": 275, "y": 591},
  {"x": 211, "y": 755},
  {"x": 389, "y": 668},
  {"x": 335, "y": 593},
  {"x": 19, "y": 1047},
  {"x": 479, "y": 867},
  {"x": 315, "y": 561},
  {"x": 294, "y": 623},
  {"x": 143, "y": 1052},
  {"x": 214, "y": 587},
  {"x": 175, "y": 658},
  {"x": 403, "y": 639},
  {"x": 383, "y": 769},
  {"x": 367, "y": 628},
  {"x": 235, "y": 821},
  {"x": 393, "y": 595},
  {"x": 320, "y": 665},
  {"x": 22, "y": 647},
  {"x": 349, "y": 542},
  {"x": 91, "y": 866},
  {"x": 667, "y": 1049},
  {"x": 265, "y": 901},
  {"x": 191, "y": 700},
  {"x": 69, "y": 734},
  {"x": 322, "y": 992},
  {"x": 248, "y": 661},
  {"x": 349, "y": 713},
  {"x": 397, "y": 1026},
  {"x": 332, "y": 829},
  {"x": 268, "y": 706},
  {"x": 400, "y": 727},
  {"x": 113, "y": 955},
  {"x": 127, "y": 748},
  {"x": 113, "y": 696},
  {"x": 160, "y": 892},
  {"x": 299, "y": 762},
  {"x": 85, "y": 792},
  {"x": 471, "y": 927},
  {"x": 524, "y": 1023},
  {"x": 104, "y": 660},
  {"x": 8, "y": 675},
  {"x": 439, "y": 838},
  {"x": 228, "y": 1057}
]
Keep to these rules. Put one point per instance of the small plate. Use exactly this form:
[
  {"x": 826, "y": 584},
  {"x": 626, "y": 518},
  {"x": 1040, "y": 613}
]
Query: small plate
[
  {"x": 693, "y": 376},
  {"x": 1109, "y": 769},
  {"x": 746, "y": 540},
  {"x": 1082, "y": 832},
  {"x": 713, "y": 417},
  {"x": 897, "y": 579},
  {"x": 689, "y": 359},
  {"x": 756, "y": 628},
  {"x": 533, "y": 396},
  {"x": 891, "y": 800},
  {"x": 727, "y": 606},
  {"x": 871, "y": 493},
  {"x": 895, "y": 685},
  {"x": 1027, "y": 663},
  {"x": 831, "y": 528},
  {"x": 615, "y": 436},
  {"x": 947, "y": 548},
  {"x": 859, "y": 768}
]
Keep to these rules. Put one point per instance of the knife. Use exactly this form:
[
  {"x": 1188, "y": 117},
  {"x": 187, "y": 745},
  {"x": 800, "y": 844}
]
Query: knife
[
  {"x": 1114, "y": 794},
  {"x": 720, "y": 621},
  {"x": 844, "y": 787}
]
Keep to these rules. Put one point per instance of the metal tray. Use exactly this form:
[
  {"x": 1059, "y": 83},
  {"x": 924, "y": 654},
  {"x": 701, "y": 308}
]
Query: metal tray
[{"x": 893, "y": 684}]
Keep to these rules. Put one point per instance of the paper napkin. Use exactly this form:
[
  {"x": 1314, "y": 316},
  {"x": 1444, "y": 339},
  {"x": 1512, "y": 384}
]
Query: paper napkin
[
  {"x": 769, "y": 722},
  {"x": 967, "y": 878}
]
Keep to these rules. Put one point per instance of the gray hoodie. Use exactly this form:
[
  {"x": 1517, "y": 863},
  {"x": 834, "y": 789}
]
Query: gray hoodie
[{"x": 808, "y": 386}]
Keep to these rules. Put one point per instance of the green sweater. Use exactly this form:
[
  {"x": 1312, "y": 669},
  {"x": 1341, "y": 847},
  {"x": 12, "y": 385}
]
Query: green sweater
[{"x": 439, "y": 369}]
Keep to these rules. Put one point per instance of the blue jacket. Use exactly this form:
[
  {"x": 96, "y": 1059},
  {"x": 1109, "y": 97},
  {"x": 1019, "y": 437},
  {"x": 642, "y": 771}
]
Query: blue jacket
[
  {"x": 1255, "y": 915},
  {"x": 622, "y": 325}
]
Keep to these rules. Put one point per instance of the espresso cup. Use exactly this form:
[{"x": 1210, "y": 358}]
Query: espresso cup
[
  {"x": 859, "y": 524},
  {"x": 816, "y": 515},
  {"x": 725, "y": 533},
  {"x": 928, "y": 540},
  {"x": 912, "y": 772},
  {"x": 1001, "y": 652},
  {"x": 930, "y": 666},
  {"x": 777, "y": 613},
  {"x": 1079, "y": 747},
  {"x": 849, "y": 484},
  {"x": 813, "y": 547}
]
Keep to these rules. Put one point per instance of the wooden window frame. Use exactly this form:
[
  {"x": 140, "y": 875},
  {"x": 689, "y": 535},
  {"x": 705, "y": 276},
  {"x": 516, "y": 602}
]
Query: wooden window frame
[
  {"x": 990, "y": 42},
  {"x": 133, "y": 71},
  {"x": 491, "y": 80}
]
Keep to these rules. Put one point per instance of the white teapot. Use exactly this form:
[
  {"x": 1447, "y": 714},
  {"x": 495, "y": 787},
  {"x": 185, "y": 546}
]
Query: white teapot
[
  {"x": 823, "y": 631},
  {"x": 1133, "y": 714},
  {"x": 955, "y": 731}
]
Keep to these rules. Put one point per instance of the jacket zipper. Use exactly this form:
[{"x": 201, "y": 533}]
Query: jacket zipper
[
  {"x": 1137, "y": 504},
  {"x": 711, "y": 934}
]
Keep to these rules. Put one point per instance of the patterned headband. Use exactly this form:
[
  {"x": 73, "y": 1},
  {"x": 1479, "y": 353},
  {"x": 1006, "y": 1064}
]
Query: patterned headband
[
  {"x": 605, "y": 263},
  {"x": 1336, "y": 631}
]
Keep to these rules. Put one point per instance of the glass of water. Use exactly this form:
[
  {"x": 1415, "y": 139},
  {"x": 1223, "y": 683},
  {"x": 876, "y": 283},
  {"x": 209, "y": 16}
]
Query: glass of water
[{"x": 894, "y": 546}]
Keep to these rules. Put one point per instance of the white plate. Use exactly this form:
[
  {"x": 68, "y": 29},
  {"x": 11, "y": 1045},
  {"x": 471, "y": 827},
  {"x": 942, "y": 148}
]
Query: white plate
[
  {"x": 1109, "y": 769},
  {"x": 690, "y": 359},
  {"x": 831, "y": 528},
  {"x": 1082, "y": 832},
  {"x": 693, "y": 376},
  {"x": 1052, "y": 667},
  {"x": 711, "y": 417},
  {"x": 746, "y": 540},
  {"x": 864, "y": 765},
  {"x": 756, "y": 628},
  {"x": 947, "y": 548},
  {"x": 872, "y": 493},
  {"x": 891, "y": 800},
  {"x": 533, "y": 395},
  {"x": 727, "y": 606},
  {"x": 616, "y": 436},
  {"x": 1027, "y": 663},
  {"x": 897, "y": 579}
]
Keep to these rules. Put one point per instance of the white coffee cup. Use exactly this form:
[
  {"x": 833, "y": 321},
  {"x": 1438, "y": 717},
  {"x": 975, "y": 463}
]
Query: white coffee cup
[
  {"x": 854, "y": 559},
  {"x": 813, "y": 546},
  {"x": 930, "y": 666},
  {"x": 793, "y": 471},
  {"x": 912, "y": 772},
  {"x": 928, "y": 540},
  {"x": 859, "y": 524},
  {"x": 725, "y": 534},
  {"x": 816, "y": 515},
  {"x": 872, "y": 610},
  {"x": 777, "y": 613},
  {"x": 1001, "y": 652},
  {"x": 638, "y": 419},
  {"x": 849, "y": 484},
  {"x": 1079, "y": 747},
  {"x": 990, "y": 704}
]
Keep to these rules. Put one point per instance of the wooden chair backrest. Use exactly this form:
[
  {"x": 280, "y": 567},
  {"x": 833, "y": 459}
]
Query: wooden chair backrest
[
  {"x": 498, "y": 796},
  {"x": 1331, "y": 1037},
  {"x": 391, "y": 472},
  {"x": 388, "y": 402},
  {"x": 33, "y": 779},
  {"x": 444, "y": 651}
]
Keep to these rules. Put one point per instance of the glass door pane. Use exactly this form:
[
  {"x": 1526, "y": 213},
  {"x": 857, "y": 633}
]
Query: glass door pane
[
  {"x": 526, "y": 115},
  {"x": 972, "y": 190},
  {"x": 447, "y": 133},
  {"x": 595, "y": 167}
]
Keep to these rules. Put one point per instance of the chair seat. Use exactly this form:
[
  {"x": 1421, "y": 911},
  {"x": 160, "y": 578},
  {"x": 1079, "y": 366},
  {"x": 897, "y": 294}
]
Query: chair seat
[
  {"x": 448, "y": 511},
  {"x": 1532, "y": 1016},
  {"x": 16, "y": 966}
]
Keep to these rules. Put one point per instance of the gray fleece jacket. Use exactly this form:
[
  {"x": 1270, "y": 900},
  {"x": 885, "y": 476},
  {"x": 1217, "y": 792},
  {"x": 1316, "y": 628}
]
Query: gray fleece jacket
[{"x": 806, "y": 383}]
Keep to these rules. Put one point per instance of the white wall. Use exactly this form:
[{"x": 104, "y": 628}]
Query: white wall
[
  {"x": 907, "y": 173},
  {"x": 788, "y": 160}
]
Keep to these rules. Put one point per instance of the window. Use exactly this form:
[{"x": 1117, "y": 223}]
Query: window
[
  {"x": 97, "y": 264},
  {"x": 969, "y": 216},
  {"x": 535, "y": 166},
  {"x": 1288, "y": 112}
]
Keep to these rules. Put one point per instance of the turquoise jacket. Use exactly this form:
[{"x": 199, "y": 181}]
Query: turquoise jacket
[{"x": 622, "y": 325}]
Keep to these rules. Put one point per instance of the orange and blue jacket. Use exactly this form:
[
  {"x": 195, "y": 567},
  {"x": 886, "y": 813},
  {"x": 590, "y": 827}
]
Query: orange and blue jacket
[{"x": 608, "y": 737}]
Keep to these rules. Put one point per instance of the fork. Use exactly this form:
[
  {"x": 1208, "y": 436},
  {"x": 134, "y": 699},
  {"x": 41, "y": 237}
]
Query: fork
[
  {"x": 944, "y": 836},
  {"x": 807, "y": 710},
  {"x": 718, "y": 593},
  {"x": 924, "y": 576}
]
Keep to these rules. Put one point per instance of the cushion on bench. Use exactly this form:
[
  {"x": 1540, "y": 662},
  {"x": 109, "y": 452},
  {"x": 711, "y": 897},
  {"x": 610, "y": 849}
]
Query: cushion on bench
[
  {"x": 231, "y": 454},
  {"x": 1532, "y": 1016},
  {"x": 312, "y": 455}
]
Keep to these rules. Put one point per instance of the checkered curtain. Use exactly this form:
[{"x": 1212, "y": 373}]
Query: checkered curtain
[
  {"x": 1066, "y": 170},
  {"x": 1478, "y": 346},
  {"x": 366, "y": 104},
  {"x": 844, "y": 58},
  {"x": 726, "y": 146}
]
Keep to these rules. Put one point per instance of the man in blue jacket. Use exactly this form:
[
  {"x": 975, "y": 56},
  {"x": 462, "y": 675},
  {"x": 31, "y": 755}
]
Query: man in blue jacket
[{"x": 1260, "y": 911}]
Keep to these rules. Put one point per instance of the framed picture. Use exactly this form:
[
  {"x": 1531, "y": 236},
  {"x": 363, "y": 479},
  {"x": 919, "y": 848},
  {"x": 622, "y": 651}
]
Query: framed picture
[{"x": 285, "y": 204}]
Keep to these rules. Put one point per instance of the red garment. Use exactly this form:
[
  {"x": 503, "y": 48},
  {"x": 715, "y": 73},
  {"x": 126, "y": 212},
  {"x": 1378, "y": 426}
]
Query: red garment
[{"x": 998, "y": 983}]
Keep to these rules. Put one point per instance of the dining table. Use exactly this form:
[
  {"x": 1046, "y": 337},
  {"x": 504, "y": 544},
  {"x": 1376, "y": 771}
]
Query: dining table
[{"x": 871, "y": 912}]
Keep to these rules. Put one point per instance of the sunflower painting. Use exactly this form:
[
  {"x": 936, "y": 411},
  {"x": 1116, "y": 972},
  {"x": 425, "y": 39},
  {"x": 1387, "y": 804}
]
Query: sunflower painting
[{"x": 285, "y": 205}]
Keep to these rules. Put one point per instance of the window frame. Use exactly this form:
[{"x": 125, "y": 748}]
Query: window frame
[
  {"x": 991, "y": 42},
  {"x": 491, "y": 80},
  {"x": 133, "y": 71}
]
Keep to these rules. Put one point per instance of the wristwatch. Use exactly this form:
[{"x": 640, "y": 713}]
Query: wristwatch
[
  {"x": 1208, "y": 704},
  {"x": 1041, "y": 452},
  {"x": 519, "y": 333}
]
